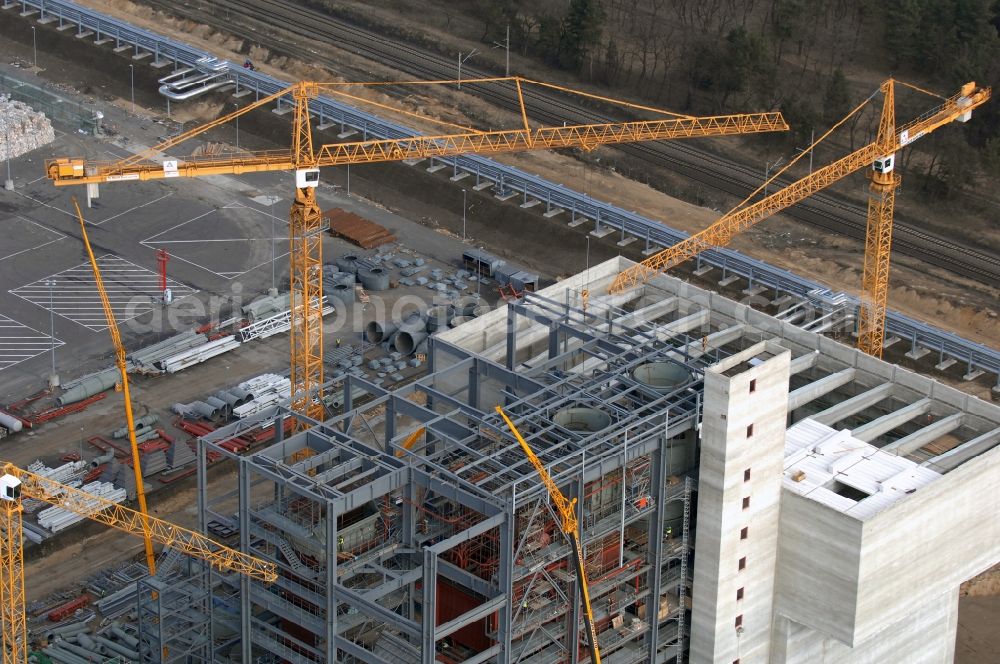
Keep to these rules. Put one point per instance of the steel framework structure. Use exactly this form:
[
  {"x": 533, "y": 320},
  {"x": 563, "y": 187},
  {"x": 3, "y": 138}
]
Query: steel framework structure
[{"x": 409, "y": 558}]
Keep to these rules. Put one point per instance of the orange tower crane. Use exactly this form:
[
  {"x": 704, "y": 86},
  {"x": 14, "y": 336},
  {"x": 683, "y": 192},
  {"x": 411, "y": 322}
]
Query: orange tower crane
[
  {"x": 116, "y": 341},
  {"x": 880, "y": 155},
  {"x": 306, "y": 160},
  {"x": 16, "y": 483}
]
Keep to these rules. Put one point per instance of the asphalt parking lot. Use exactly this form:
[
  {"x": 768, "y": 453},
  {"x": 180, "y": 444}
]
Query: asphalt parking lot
[{"x": 220, "y": 234}]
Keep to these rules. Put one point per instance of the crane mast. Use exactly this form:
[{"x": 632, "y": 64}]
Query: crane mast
[{"x": 878, "y": 233}]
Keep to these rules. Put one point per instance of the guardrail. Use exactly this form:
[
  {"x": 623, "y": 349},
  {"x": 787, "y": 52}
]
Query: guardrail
[{"x": 508, "y": 181}]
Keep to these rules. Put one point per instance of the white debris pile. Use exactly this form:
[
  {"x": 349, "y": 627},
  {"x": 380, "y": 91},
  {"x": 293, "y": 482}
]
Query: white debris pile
[{"x": 22, "y": 128}]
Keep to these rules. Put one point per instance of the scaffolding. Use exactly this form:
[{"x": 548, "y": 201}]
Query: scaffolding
[{"x": 450, "y": 552}]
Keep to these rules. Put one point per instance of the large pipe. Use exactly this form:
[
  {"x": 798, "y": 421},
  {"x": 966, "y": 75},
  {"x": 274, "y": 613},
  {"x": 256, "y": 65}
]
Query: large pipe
[
  {"x": 83, "y": 653},
  {"x": 104, "y": 458},
  {"x": 204, "y": 410},
  {"x": 111, "y": 648},
  {"x": 379, "y": 331},
  {"x": 63, "y": 656},
  {"x": 124, "y": 636},
  {"x": 231, "y": 400},
  {"x": 407, "y": 342},
  {"x": 143, "y": 422},
  {"x": 86, "y": 642},
  {"x": 88, "y": 388},
  {"x": 218, "y": 404},
  {"x": 65, "y": 630},
  {"x": 9, "y": 422},
  {"x": 241, "y": 394}
]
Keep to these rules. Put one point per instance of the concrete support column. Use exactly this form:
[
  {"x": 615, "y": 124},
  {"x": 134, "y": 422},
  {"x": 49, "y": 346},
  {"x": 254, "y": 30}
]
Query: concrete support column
[{"x": 740, "y": 476}]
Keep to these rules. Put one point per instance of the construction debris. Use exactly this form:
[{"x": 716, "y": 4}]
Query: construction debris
[{"x": 22, "y": 129}]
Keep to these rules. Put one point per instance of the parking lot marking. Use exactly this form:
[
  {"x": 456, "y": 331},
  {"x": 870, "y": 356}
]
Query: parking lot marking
[
  {"x": 37, "y": 246},
  {"x": 161, "y": 241},
  {"x": 19, "y": 342},
  {"x": 132, "y": 291}
]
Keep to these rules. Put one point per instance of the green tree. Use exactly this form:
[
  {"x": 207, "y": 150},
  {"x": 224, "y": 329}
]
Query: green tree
[
  {"x": 837, "y": 98},
  {"x": 902, "y": 25},
  {"x": 581, "y": 32},
  {"x": 744, "y": 66}
]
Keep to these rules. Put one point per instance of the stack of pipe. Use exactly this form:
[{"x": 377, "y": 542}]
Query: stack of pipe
[
  {"x": 145, "y": 359},
  {"x": 57, "y": 518},
  {"x": 78, "y": 645},
  {"x": 64, "y": 474},
  {"x": 267, "y": 306},
  {"x": 197, "y": 355},
  {"x": 94, "y": 384},
  {"x": 266, "y": 392},
  {"x": 141, "y": 426}
]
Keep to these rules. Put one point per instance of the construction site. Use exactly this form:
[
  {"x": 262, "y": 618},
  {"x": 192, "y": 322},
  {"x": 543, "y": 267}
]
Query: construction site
[{"x": 458, "y": 412}]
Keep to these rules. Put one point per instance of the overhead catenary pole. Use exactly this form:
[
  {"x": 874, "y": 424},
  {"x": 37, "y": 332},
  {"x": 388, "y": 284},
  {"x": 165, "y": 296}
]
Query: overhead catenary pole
[{"x": 460, "y": 61}]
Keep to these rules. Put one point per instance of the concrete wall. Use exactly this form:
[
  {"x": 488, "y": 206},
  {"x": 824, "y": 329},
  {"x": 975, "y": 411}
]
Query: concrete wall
[
  {"x": 819, "y": 557},
  {"x": 850, "y": 579},
  {"x": 727, "y": 452},
  {"x": 926, "y": 636},
  {"x": 937, "y": 538}
]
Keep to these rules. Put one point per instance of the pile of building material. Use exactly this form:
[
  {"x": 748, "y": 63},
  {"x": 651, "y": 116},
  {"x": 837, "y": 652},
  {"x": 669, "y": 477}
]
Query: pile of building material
[
  {"x": 144, "y": 360},
  {"x": 57, "y": 518},
  {"x": 267, "y": 390},
  {"x": 357, "y": 230},
  {"x": 76, "y": 643},
  {"x": 197, "y": 355},
  {"x": 22, "y": 129}
]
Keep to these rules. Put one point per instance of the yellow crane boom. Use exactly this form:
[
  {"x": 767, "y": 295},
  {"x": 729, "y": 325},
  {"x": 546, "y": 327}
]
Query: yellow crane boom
[
  {"x": 116, "y": 341},
  {"x": 305, "y": 227},
  {"x": 17, "y": 483},
  {"x": 566, "y": 509},
  {"x": 879, "y": 232}
]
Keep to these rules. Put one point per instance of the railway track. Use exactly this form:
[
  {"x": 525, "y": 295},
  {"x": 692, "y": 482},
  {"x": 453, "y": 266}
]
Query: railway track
[{"x": 708, "y": 170}]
